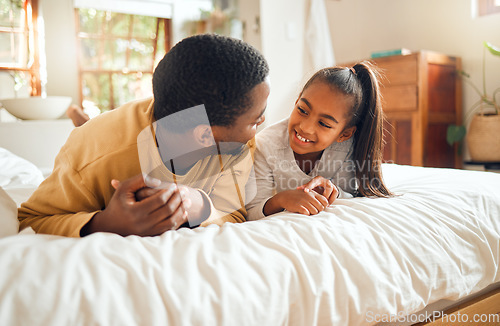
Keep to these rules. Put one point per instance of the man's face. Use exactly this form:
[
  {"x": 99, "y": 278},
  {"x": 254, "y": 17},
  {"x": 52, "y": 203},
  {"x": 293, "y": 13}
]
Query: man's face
[{"x": 245, "y": 126}]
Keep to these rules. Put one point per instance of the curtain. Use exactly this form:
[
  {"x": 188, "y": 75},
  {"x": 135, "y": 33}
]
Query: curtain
[{"x": 318, "y": 39}]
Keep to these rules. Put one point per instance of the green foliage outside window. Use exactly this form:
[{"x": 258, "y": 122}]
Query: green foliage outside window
[
  {"x": 10, "y": 13},
  {"x": 117, "y": 56}
]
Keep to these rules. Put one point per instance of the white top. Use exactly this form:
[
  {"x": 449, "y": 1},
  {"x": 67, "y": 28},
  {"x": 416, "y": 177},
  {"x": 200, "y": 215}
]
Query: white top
[{"x": 276, "y": 169}]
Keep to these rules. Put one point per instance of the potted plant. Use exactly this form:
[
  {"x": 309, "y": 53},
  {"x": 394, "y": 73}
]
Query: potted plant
[{"x": 483, "y": 138}]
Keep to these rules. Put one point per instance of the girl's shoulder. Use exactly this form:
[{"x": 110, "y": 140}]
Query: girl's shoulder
[
  {"x": 273, "y": 137},
  {"x": 276, "y": 130},
  {"x": 345, "y": 146}
]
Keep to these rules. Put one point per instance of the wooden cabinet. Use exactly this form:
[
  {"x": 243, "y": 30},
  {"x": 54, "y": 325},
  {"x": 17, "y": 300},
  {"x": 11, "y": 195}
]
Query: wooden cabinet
[{"x": 422, "y": 96}]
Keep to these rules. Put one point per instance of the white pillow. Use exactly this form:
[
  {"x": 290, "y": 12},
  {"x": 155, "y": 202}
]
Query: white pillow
[
  {"x": 9, "y": 224},
  {"x": 15, "y": 171}
]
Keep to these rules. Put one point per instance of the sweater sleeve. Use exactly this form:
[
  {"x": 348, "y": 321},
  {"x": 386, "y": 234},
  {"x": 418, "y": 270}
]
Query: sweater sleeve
[
  {"x": 343, "y": 194},
  {"x": 262, "y": 186},
  {"x": 61, "y": 205}
]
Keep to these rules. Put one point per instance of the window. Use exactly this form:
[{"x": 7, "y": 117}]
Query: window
[
  {"x": 117, "y": 55},
  {"x": 486, "y": 7},
  {"x": 19, "y": 56}
]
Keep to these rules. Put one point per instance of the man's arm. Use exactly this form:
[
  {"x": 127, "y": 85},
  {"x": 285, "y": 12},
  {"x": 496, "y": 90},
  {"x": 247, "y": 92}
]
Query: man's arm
[
  {"x": 65, "y": 203},
  {"x": 201, "y": 209},
  {"x": 220, "y": 202},
  {"x": 61, "y": 205},
  {"x": 228, "y": 194},
  {"x": 196, "y": 203}
]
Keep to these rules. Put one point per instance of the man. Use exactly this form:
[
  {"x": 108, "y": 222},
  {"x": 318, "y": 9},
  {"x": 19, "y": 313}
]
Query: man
[{"x": 144, "y": 144}]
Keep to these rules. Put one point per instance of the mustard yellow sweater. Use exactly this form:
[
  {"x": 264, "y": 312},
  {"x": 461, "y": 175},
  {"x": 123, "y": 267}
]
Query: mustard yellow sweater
[{"x": 105, "y": 148}]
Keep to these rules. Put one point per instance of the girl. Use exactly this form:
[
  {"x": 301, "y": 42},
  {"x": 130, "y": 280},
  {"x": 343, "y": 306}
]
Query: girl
[{"x": 330, "y": 147}]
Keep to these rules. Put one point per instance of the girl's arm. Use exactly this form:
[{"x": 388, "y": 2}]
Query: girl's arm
[
  {"x": 260, "y": 186},
  {"x": 265, "y": 200}
]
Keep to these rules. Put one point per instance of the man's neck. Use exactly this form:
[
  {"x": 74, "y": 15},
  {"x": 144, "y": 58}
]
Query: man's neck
[{"x": 181, "y": 165}]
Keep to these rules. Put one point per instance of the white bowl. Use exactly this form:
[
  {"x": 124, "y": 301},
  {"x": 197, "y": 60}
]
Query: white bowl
[{"x": 36, "y": 107}]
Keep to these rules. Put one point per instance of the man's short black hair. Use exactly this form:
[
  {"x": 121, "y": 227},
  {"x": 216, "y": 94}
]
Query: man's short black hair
[{"x": 208, "y": 69}]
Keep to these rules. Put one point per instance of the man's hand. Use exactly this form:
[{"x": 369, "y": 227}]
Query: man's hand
[
  {"x": 126, "y": 215},
  {"x": 197, "y": 207},
  {"x": 322, "y": 186},
  {"x": 153, "y": 186}
]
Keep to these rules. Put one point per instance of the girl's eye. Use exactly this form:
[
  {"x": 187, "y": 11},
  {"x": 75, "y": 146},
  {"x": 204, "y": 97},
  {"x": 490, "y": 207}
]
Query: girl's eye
[
  {"x": 301, "y": 110},
  {"x": 324, "y": 125}
]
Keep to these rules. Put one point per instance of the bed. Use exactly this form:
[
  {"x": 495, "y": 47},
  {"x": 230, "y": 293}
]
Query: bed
[{"x": 361, "y": 262}]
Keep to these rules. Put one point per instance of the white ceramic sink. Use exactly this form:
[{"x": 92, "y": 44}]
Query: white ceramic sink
[{"x": 36, "y": 107}]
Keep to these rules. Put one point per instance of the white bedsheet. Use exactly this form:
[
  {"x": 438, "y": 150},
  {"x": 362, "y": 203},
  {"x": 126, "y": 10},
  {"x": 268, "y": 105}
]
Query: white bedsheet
[{"x": 360, "y": 259}]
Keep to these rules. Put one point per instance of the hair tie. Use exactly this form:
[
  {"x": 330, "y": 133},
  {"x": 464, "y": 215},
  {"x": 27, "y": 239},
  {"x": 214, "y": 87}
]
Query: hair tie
[{"x": 353, "y": 71}]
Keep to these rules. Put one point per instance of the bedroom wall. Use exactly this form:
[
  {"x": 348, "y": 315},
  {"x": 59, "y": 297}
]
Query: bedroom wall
[
  {"x": 60, "y": 48},
  {"x": 249, "y": 14},
  {"x": 359, "y": 27},
  {"x": 282, "y": 30}
]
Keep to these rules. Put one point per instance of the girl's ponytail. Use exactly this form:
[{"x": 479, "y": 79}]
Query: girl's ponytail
[
  {"x": 369, "y": 122},
  {"x": 361, "y": 84}
]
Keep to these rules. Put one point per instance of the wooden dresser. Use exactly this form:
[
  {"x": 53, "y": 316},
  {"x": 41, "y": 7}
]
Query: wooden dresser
[{"x": 422, "y": 95}]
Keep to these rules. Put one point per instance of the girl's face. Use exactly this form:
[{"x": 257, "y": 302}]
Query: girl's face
[{"x": 318, "y": 119}]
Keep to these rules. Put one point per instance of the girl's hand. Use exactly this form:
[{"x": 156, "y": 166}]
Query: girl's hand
[
  {"x": 296, "y": 201},
  {"x": 322, "y": 186}
]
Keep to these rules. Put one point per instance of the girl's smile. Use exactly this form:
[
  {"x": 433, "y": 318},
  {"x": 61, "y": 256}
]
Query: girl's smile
[
  {"x": 301, "y": 140},
  {"x": 319, "y": 119}
]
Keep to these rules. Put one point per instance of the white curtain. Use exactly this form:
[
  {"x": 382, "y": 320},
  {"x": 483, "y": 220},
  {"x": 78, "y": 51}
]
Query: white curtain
[{"x": 318, "y": 39}]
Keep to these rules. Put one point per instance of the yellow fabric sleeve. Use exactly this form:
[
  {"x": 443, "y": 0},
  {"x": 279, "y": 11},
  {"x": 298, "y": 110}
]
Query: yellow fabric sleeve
[{"x": 60, "y": 205}]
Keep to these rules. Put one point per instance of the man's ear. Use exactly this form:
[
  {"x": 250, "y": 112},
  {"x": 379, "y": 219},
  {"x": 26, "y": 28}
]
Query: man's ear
[
  {"x": 346, "y": 134},
  {"x": 203, "y": 135}
]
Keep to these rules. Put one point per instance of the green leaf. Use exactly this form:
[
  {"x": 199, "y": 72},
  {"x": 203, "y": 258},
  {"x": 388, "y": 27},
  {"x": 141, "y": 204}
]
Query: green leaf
[
  {"x": 455, "y": 134},
  {"x": 463, "y": 73},
  {"x": 493, "y": 49}
]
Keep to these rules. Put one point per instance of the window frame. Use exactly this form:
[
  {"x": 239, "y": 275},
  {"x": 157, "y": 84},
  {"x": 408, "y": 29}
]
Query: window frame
[
  {"x": 101, "y": 35},
  {"x": 32, "y": 67},
  {"x": 487, "y": 7}
]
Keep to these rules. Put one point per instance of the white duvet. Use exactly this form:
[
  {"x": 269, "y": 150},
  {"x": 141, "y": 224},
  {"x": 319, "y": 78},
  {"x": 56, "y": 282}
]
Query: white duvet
[{"x": 359, "y": 261}]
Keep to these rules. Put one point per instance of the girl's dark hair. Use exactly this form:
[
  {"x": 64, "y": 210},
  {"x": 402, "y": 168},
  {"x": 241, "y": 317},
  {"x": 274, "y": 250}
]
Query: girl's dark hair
[
  {"x": 361, "y": 84},
  {"x": 209, "y": 69}
]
